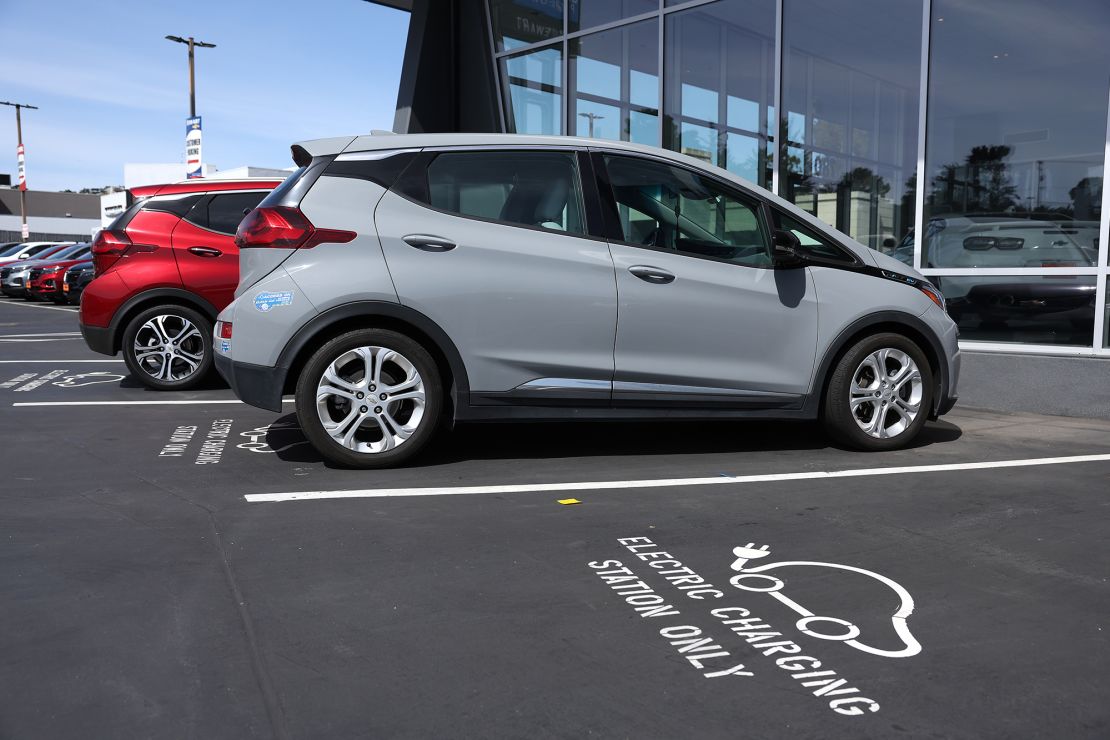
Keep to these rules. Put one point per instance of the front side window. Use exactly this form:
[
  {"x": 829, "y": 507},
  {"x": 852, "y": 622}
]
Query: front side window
[
  {"x": 813, "y": 242},
  {"x": 539, "y": 189},
  {"x": 672, "y": 208}
]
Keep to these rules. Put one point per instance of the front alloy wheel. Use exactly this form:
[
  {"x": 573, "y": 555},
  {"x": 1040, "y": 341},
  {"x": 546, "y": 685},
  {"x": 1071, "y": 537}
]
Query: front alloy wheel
[
  {"x": 369, "y": 399},
  {"x": 879, "y": 394},
  {"x": 886, "y": 393},
  {"x": 168, "y": 347}
]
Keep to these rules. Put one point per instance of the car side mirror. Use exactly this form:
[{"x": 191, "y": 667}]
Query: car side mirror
[{"x": 786, "y": 249}]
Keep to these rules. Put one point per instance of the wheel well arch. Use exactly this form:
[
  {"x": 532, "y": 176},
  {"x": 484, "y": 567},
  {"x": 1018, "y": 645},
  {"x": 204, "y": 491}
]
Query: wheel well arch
[
  {"x": 151, "y": 298},
  {"x": 908, "y": 326},
  {"x": 379, "y": 315}
]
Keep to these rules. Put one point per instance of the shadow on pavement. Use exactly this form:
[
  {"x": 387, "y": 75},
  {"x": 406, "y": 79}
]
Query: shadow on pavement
[{"x": 597, "y": 439}]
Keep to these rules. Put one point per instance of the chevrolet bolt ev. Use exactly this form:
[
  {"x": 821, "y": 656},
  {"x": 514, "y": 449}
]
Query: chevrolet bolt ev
[
  {"x": 164, "y": 268},
  {"x": 396, "y": 282}
]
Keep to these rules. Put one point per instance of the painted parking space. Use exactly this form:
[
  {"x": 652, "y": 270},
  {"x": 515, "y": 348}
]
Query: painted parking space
[{"x": 954, "y": 597}]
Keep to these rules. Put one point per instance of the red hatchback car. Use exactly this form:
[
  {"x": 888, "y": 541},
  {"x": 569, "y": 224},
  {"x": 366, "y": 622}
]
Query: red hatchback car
[{"x": 164, "y": 269}]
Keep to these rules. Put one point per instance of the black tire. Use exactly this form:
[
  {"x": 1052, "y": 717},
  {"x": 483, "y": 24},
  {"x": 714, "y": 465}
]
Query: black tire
[
  {"x": 333, "y": 450},
  {"x": 839, "y": 420},
  {"x": 147, "y": 369}
]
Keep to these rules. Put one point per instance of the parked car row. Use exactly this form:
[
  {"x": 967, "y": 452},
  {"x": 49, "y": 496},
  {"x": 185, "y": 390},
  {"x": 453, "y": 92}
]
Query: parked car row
[
  {"x": 39, "y": 275},
  {"x": 398, "y": 283}
]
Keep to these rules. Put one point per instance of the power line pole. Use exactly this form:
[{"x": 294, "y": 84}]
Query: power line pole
[
  {"x": 25, "y": 232},
  {"x": 194, "y": 164},
  {"x": 191, "y": 42}
]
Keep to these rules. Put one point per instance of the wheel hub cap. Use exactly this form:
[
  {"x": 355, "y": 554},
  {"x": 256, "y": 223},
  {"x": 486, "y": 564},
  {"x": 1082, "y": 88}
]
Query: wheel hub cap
[
  {"x": 357, "y": 426},
  {"x": 886, "y": 393},
  {"x": 169, "y": 347}
]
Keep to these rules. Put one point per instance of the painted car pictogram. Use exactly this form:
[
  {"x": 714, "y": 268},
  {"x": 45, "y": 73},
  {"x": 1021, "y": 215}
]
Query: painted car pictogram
[
  {"x": 82, "y": 379},
  {"x": 757, "y": 580},
  {"x": 257, "y": 438}
]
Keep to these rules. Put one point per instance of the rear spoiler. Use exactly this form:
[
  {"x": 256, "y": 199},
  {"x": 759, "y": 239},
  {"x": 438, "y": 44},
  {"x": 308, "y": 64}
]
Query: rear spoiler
[{"x": 304, "y": 151}]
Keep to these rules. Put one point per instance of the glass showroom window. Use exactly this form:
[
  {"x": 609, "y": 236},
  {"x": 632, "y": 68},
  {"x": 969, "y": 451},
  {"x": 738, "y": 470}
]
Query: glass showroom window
[
  {"x": 533, "y": 87},
  {"x": 586, "y": 14},
  {"x": 518, "y": 23},
  {"x": 615, "y": 84},
  {"x": 851, "y": 84},
  {"x": 1014, "y": 164},
  {"x": 719, "y": 79}
]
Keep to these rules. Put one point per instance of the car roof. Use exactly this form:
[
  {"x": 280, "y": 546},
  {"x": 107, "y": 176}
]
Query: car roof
[{"x": 205, "y": 185}]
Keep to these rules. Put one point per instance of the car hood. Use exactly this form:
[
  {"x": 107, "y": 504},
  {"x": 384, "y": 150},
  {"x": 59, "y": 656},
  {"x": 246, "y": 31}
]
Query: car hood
[
  {"x": 886, "y": 262},
  {"x": 63, "y": 264}
]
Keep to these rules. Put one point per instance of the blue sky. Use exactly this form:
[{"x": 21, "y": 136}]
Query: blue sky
[{"x": 111, "y": 89}]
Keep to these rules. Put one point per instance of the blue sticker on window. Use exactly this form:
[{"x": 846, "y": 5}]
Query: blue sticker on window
[{"x": 265, "y": 301}]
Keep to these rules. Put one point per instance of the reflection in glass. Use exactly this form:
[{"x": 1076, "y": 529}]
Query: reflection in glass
[
  {"x": 533, "y": 86},
  {"x": 615, "y": 84},
  {"x": 1034, "y": 310},
  {"x": 851, "y": 85},
  {"x": 983, "y": 241},
  {"x": 720, "y": 78},
  {"x": 586, "y": 14},
  {"x": 520, "y": 22},
  {"x": 1016, "y": 128}
]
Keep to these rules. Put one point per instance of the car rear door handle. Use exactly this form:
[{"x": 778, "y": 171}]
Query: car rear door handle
[
  {"x": 651, "y": 274},
  {"x": 205, "y": 251},
  {"x": 429, "y": 243}
]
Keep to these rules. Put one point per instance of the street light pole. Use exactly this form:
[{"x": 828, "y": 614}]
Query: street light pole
[
  {"x": 24, "y": 232},
  {"x": 591, "y": 117},
  {"x": 191, "y": 42}
]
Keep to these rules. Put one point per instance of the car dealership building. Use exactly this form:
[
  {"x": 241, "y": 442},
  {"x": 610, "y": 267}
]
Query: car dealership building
[{"x": 838, "y": 106}]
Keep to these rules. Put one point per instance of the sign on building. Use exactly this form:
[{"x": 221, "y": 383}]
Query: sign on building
[{"x": 192, "y": 147}]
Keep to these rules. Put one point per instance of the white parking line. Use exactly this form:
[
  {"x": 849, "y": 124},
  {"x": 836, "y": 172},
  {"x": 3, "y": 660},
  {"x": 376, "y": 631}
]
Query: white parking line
[
  {"x": 136, "y": 403},
  {"x": 44, "y": 334},
  {"x": 35, "y": 305},
  {"x": 668, "y": 482}
]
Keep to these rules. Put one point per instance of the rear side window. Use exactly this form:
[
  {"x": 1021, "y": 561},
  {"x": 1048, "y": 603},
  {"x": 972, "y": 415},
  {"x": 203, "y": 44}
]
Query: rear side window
[
  {"x": 223, "y": 211},
  {"x": 527, "y": 188}
]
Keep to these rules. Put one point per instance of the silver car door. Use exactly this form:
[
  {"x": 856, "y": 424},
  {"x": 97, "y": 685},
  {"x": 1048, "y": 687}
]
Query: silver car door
[
  {"x": 492, "y": 246},
  {"x": 703, "y": 314}
]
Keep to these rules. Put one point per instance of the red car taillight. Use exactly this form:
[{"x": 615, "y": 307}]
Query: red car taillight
[
  {"x": 282, "y": 227},
  {"x": 225, "y": 330},
  {"x": 108, "y": 246}
]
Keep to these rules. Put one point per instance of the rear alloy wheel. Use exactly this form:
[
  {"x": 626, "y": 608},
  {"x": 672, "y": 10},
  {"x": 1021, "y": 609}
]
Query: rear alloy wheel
[
  {"x": 880, "y": 394},
  {"x": 168, "y": 347},
  {"x": 369, "y": 399}
]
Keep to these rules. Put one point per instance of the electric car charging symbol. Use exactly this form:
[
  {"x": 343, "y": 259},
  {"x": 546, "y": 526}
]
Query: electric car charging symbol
[{"x": 825, "y": 628}]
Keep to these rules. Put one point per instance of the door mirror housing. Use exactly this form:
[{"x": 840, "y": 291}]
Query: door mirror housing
[{"x": 786, "y": 249}]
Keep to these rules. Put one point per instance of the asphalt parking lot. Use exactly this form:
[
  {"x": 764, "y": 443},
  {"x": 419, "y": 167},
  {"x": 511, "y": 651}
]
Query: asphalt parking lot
[{"x": 182, "y": 565}]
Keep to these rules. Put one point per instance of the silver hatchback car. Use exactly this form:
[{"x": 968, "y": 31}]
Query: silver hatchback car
[{"x": 395, "y": 282}]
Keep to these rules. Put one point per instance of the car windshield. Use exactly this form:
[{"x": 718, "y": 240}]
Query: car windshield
[
  {"x": 10, "y": 249},
  {"x": 46, "y": 253},
  {"x": 70, "y": 251}
]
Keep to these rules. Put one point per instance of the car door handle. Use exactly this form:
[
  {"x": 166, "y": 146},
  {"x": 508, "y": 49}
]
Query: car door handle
[
  {"x": 429, "y": 243},
  {"x": 651, "y": 274},
  {"x": 205, "y": 251}
]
